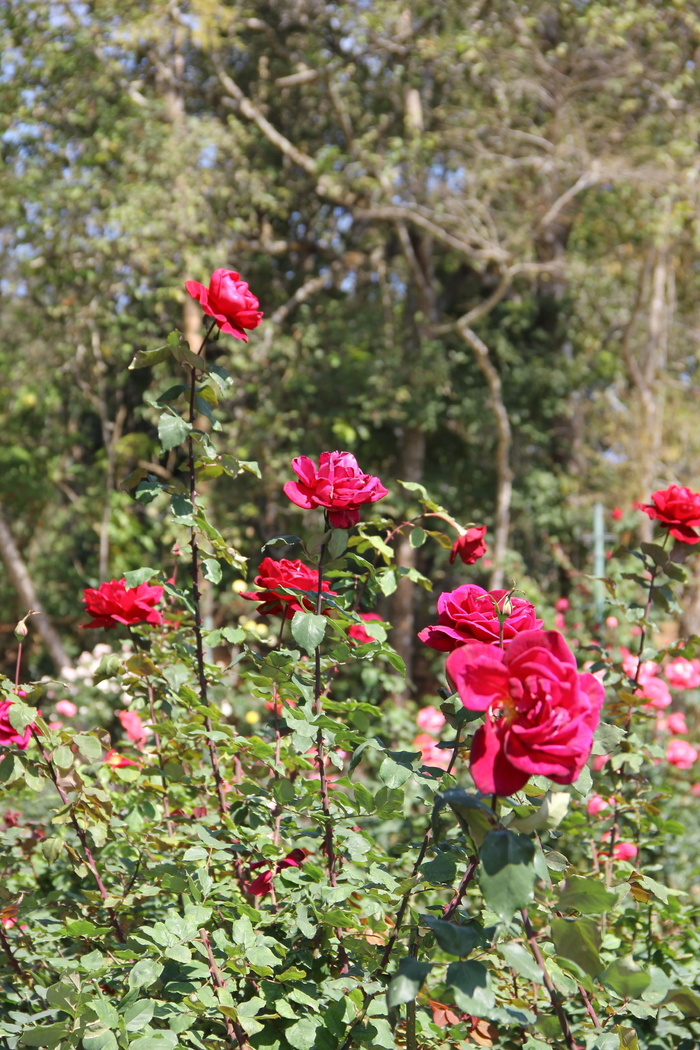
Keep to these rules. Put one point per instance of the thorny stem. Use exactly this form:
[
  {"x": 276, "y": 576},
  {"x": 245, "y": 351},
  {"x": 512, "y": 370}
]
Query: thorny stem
[
  {"x": 236, "y": 1034},
  {"x": 329, "y": 846},
  {"x": 196, "y": 595},
  {"x": 548, "y": 983},
  {"x": 10, "y": 954},
  {"x": 451, "y": 908},
  {"x": 156, "y": 739},
  {"x": 88, "y": 858}
]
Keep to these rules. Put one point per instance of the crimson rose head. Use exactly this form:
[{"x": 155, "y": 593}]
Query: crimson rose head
[
  {"x": 470, "y": 614},
  {"x": 112, "y": 603},
  {"x": 470, "y": 546},
  {"x": 229, "y": 301},
  {"x": 337, "y": 484},
  {"x": 9, "y": 736},
  {"x": 678, "y": 509},
  {"x": 541, "y": 711},
  {"x": 275, "y": 575}
]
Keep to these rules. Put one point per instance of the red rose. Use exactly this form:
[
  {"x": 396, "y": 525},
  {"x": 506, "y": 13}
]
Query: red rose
[
  {"x": 470, "y": 614},
  {"x": 8, "y": 734},
  {"x": 111, "y": 603},
  {"x": 229, "y": 301},
  {"x": 358, "y": 633},
  {"x": 262, "y": 885},
  {"x": 678, "y": 508},
  {"x": 337, "y": 484},
  {"x": 541, "y": 712},
  {"x": 470, "y": 546},
  {"x": 273, "y": 575}
]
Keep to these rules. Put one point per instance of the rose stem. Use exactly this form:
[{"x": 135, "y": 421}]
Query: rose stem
[
  {"x": 237, "y": 1036},
  {"x": 88, "y": 857},
  {"x": 549, "y": 985},
  {"x": 156, "y": 738},
  {"x": 10, "y": 954},
  {"x": 318, "y": 710},
  {"x": 196, "y": 596}
]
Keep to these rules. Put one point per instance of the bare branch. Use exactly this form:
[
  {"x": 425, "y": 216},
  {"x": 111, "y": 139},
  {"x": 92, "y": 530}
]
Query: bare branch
[{"x": 584, "y": 182}]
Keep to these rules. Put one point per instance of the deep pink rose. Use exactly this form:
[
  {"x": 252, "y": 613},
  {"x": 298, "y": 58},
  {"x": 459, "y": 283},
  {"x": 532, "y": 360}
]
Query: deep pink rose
[
  {"x": 67, "y": 708},
  {"x": 678, "y": 508},
  {"x": 229, "y": 301},
  {"x": 337, "y": 484},
  {"x": 656, "y": 692},
  {"x": 625, "y": 851},
  {"x": 682, "y": 673},
  {"x": 8, "y": 734},
  {"x": 616, "y": 514},
  {"x": 273, "y": 575},
  {"x": 117, "y": 761},
  {"x": 595, "y": 805},
  {"x": 470, "y": 614},
  {"x": 541, "y": 712},
  {"x": 133, "y": 727},
  {"x": 261, "y": 886},
  {"x": 357, "y": 631},
  {"x": 470, "y": 546},
  {"x": 111, "y": 603}
]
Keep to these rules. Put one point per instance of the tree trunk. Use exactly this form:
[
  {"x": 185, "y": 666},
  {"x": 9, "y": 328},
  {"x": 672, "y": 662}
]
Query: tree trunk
[{"x": 19, "y": 574}]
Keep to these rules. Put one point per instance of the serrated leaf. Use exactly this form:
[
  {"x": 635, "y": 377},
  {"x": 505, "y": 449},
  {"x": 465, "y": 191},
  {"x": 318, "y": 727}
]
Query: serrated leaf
[
  {"x": 172, "y": 431},
  {"x": 520, "y": 959},
  {"x": 337, "y": 543},
  {"x": 302, "y": 1034},
  {"x": 138, "y": 576},
  {"x": 89, "y": 746},
  {"x": 506, "y": 872},
  {"x": 212, "y": 570},
  {"x": 21, "y": 716},
  {"x": 144, "y": 973},
  {"x": 308, "y": 630}
]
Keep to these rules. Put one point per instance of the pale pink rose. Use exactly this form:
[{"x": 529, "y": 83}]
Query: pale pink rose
[
  {"x": 682, "y": 673},
  {"x": 675, "y": 723},
  {"x": 431, "y": 754},
  {"x": 681, "y": 754},
  {"x": 625, "y": 851},
  {"x": 430, "y": 719},
  {"x": 561, "y": 605},
  {"x": 598, "y": 762},
  {"x": 55, "y": 725},
  {"x": 612, "y": 621},
  {"x": 656, "y": 692},
  {"x": 560, "y": 622},
  {"x": 67, "y": 708},
  {"x": 695, "y": 790},
  {"x": 596, "y": 804},
  {"x": 133, "y": 727},
  {"x": 649, "y": 668}
]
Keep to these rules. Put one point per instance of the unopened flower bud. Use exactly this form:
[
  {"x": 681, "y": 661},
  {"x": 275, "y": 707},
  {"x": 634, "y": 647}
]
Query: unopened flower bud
[{"x": 21, "y": 630}]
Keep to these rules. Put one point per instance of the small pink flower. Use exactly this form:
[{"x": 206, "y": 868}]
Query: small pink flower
[
  {"x": 562, "y": 605},
  {"x": 612, "y": 621},
  {"x": 55, "y": 725},
  {"x": 656, "y": 692},
  {"x": 337, "y": 484},
  {"x": 625, "y": 851},
  {"x": 681, "y": 754},
  {"x": 675, "y": 723},
  {"x": 67, "y": 708},
  {"x": 431, "y": 754},
  {"x": 596, "y": 804},
  {"x": 470, "y": 545},
  {"x": 682, "y": 673},
  {"x": 229, "y": 301},
  {"x": 616, "y": 513},
  {"x": 560, "y": 621},
  {"x": 117, "y": 761},
  {"x": 430, "y": 719}
]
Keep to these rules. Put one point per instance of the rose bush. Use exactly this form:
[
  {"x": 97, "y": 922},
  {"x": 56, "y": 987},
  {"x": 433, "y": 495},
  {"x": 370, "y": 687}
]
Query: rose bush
[
  {"x": 472, "y": 614},
  {"x": 9, "y": 736},
  {"x": 337, "y": 484}
]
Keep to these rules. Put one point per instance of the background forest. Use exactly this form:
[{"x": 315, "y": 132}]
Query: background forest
[{"x": 472, "y": 228}]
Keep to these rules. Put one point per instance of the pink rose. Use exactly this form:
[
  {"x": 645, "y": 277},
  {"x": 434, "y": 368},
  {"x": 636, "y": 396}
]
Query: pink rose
[
  {"x": 273, "y": 575},
  {"x": 112, "y": 603},
  {"x": 67, "y": 708},
  {"x": 595, "y": 805},
  {"x": 261, "y": 886},
  {"x": 8, "y": 734},
  {"x": 470, "y": 614},
  {"x": 616, "y": 514},
  {"x": 682, "y": 673},
  {"x": 337, "y": 484},
  {"x": 681, "y": 754},
  {"x": 229, "y": 301},
  {"x": 357, "y": 631},
  {"x": 541, "y": 712},
  {"x": 625, "y": 851},
  {"x": 431, "y": 754},
  {"x": 562, "y": 605},
  {"x": 470, "y": 545},
  {"x": 133, "y": 727},
  {"x": 675, "y": 723},
  {"x": 678, "y": 508},
  {"x": 656, "y": 693},
  {"x": 612, "y": 622},
  {"x": 117, "y": 761},
  {"x": 430, "y": 719}
]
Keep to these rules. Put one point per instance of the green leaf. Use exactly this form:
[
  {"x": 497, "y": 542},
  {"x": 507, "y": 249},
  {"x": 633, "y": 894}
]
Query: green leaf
[
  {"x": 21, "y": 715},
  {"x": 686, "y": 1000},
  {"x": 656, "y": 552},
  {"x": 578, "y": 940},
  {"x": 394, "y": 774},
  {"x": 211, "y": 569},
  {"x": 109, "y": 667},
  {"x": 442, "y": 868},
  {"x": 586, "y": 896},
  {"x": 337, "y": 543},
  {"x": 521, "y": 960},
  {"x": 172, "y": 431},
  {"x": 507, "y": 873},
  {"x": 146, "y": 358},
  {"x": 139, "y": 576},
  {"x": 407, "y": 982},
  {"x": 63, "y": 757},
  {"x": 138, "y": 1015},
  {"x": 308, "y": 630},
  {"x": 51, "y": 849},
  {"x": 98, "y": 1037},
  {"x": 145, "y": 973},
  {"x": 625, "y": 977},
  {"x": 302, "y": 1035},
  {"x": 45, "y": 1036},
  {"x": 551, "y": 812},
  {"x": 606, "y": 738},
  {"x": 417, "y": 537},
  {"x": 156, "y": 1041},
  {"x": 89, "y": 746},
  {"x": 470, "y": 985},
  {"x": 454, "y": 939}
]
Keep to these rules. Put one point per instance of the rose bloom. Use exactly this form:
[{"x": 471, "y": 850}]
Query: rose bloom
[
  {"x": 229, "y": 301},
  {"x": 541, "y": 712},
  {"x": 682, "y": 673},
  {"x": 430, "y": 719},
  {"x": 562, "y": 605},
  {"x": 357, "y": 631},
  {"x": 430, "y": 753},
  {"x": 616, "y": 514},
  {"x": 595, "y": 805},
  {"x": 625, "y": 851},
  {"x": 337, "y": 484},
  {"x": 111, "y": 603},
  {"x": 469, "y": 614},
  {"x": 470, "y": 545},
  {"x": 675, "y": 723},
  {"x": 678, "y": 508},
  {"x": 273, "y": 575},
  {"x": 262, "y": 885},
  {"x": 133, "y": 727},
  {"x": 8, "y": 734},
  {"x": 681, "y": 754},
  {"x": 117, "y": 761},
  {"x": 67, "y": 708},
  {"x": 656, "y": 692}
]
